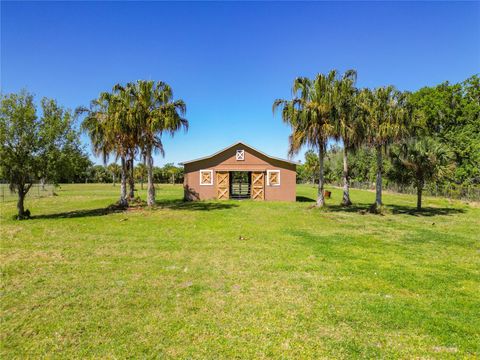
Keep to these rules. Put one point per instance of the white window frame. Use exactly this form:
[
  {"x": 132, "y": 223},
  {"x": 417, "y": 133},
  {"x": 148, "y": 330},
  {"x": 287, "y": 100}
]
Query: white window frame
[
  {"x": 240, "y": 153},
  {"x": 211, "y": 178},
  {"x": 268, "y": 177}
]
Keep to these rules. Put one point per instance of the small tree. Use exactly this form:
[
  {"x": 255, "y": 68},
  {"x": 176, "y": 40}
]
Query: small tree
[
  {"x": 31, "y": 147},
  {"x": 140, "y": 174},
  {"x": 115, "y": 171},
  {"x": 171, "y": 172},
  {"x": 424, "y": 159},
  {"x": 311, "y": 165}
]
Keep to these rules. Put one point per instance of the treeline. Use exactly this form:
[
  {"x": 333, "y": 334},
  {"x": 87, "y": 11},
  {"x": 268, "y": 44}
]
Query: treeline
[
  {"x": 426, "y": 139},
  {"x": 453, "y": 117},
  {"x": 168, "y": 174}
]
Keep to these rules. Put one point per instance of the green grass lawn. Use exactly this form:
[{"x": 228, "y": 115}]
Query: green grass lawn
[{"x": 239, "y": 279}]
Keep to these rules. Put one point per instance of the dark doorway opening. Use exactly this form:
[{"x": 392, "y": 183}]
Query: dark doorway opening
[{"x": 240, "y": 184}]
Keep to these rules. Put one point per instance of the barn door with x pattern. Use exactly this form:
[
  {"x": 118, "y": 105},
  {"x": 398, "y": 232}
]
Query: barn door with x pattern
[
  {"x": 223, "y": 185},
  {"x": 258, "y": 186}
]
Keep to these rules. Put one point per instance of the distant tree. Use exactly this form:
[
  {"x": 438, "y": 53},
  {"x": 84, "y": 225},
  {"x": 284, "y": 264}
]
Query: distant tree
[
  {"x": 158, "y": 176},
  {"x": 452, "y": 115},
  {"x": 74, "y": 164},
  {"x": 311, "y": 165},
  {"x": 115, "y": 171},
  {"x": 421, "y": 160},
  {"x": 334, "y": 164},
  {"x": 141, "y": 173},
  {"x": 32, "y": 148},
  {"x": 302, "y": 176},
  {"x": 101, "y": 174},
  {"x": 171, "y": 172},
  {"x": 310, "y": 114}
]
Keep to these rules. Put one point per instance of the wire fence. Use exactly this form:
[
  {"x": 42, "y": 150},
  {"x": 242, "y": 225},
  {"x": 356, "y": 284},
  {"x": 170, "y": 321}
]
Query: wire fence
[
  {"x": 451, "y": 191},
  {"x": 36, "y": 191}
]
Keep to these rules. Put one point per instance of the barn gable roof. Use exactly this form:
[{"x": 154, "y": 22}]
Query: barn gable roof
[{"x": 234, "y": 145}]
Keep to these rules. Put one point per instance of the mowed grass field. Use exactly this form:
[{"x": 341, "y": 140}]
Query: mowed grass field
[{"x": 239, "y": 279}]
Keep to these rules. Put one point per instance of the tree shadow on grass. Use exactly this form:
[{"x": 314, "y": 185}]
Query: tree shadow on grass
[
  {"x": 358, "y": 208},
  {"x": 164, "y": 204},
  {"x": 80, "y": 213},
  {"x": 427, "y": 211},
  {"x": 304, "y": 199},
  {"x": 178, "y": 204},
  {"x": 363, "y": 208}
]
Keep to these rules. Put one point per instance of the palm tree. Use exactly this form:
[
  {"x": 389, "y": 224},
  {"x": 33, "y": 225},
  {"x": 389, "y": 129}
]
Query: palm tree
[
  {"x": 310, "y": 115},
  {"x": 157, "y": 113},
  {"x": 129, "y": 130},
  {"x": 108, "y": 125},
  {"x": 425, "y": 159},
  {"x": 383, "y": 114},
  {"x": 347, "y": 125}
]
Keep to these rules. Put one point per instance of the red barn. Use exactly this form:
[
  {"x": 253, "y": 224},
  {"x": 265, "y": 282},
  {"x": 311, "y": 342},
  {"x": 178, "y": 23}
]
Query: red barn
[{"x": 240, "y": 172}]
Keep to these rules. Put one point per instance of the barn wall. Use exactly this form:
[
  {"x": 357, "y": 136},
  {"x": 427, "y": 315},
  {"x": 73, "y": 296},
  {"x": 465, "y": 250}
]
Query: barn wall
[
  {"x": 226, "y": 161},
  {"x": 287, "y": 189}
]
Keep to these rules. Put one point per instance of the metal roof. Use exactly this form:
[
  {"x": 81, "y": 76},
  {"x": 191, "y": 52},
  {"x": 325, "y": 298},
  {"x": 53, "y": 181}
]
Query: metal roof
[{"x": 236, "y": 144}]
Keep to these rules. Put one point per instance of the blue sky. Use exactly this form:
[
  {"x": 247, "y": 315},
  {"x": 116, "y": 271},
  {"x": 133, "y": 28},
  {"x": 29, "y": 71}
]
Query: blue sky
[{"x": 229, "y": 60}]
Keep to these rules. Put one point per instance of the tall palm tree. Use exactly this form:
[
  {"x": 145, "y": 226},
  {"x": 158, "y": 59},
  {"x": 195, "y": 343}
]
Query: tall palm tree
[
  {"x": 383, "y": 114},
  {"x": 310, "y": 114},
  {"x": 129, "y": 130},
  {"x": 108, "y": 125},
  {"x": 157, "y": 113},
  {"x": 347, "y": 125}
]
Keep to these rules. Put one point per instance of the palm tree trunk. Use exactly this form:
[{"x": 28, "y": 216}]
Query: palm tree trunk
[
  {"x": 151, "y": 186},
  {"x": 320, "y": 197},
  {"x": 123, "y": 183},
  {"x": 131, "y": 179},
  {"x": 419, "y": 194},
  {"x": 378, "y": 186},
  {"x": 346, "y": 182}
]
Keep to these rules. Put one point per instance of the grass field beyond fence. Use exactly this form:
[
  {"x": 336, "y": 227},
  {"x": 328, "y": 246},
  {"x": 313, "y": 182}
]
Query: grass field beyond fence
[
  {"x": 36, "y": 191},
  {"x": 239, "y": 279}
]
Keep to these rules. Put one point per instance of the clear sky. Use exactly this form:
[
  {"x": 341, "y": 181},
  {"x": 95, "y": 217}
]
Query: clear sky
[{"x": 229, "y": 60}]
